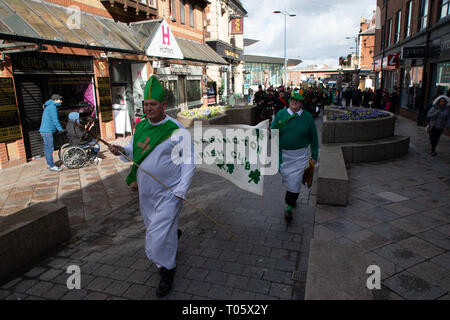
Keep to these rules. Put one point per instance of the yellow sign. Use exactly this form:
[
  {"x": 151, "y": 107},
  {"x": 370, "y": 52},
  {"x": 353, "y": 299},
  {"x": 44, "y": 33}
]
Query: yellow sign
[
  {"x": 229, "y": 53},
  {"x": 9, "y": 116}
]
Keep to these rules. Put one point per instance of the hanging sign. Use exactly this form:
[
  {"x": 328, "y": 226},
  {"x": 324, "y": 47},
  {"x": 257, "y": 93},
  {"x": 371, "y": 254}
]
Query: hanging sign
[{"x": 104, "y": 93}]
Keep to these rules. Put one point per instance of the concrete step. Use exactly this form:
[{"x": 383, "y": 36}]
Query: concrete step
[
  {"x": 336, "y": 271},
  {"x": 375, "y": 150}
]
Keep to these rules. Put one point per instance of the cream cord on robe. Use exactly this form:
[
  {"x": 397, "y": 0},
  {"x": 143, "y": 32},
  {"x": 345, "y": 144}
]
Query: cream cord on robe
[{"x": 168, "y": 188}]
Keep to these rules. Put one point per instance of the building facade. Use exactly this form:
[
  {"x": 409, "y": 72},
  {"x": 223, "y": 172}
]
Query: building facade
[
  {"x": 99, "y": 58},
  {"x": 225, "y": 34},
  {"x": 413, "y": 51},
  {"x": 366, "y": 53},
  {"x": 265, "y": 71}
]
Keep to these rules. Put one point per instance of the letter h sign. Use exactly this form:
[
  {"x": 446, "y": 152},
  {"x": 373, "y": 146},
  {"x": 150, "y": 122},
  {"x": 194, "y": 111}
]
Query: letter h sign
[{"x": 166, "y": 35}]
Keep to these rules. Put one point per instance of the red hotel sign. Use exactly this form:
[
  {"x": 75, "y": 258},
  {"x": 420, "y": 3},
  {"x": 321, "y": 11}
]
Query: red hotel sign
[{"x": 237, "y": 26}]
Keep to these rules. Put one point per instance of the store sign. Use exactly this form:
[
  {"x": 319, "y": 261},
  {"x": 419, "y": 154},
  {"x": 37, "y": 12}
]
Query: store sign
[
  {"x": 391, "y": 62},
  {"x": 25, "y": 63},
  {"x": 163, "y": 43},
  {"x": 104, "y": 93},
  {"x": 226, "y": 51},
  {"x": 413, "y": 52},
  {"x": 237, "y": 26},
  {"x": 377, "y": 65},
  {"x": 9, "y": 117}
]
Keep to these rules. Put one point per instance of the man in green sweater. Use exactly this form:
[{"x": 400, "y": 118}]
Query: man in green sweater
[{"x": 297, "y": 132}]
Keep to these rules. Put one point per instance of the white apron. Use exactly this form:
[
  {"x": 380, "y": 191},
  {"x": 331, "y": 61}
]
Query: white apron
[{"x": 294, "y": 163}]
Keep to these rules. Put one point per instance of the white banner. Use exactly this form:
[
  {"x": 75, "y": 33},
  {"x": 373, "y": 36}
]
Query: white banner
[{"x": 238, "y": 153}]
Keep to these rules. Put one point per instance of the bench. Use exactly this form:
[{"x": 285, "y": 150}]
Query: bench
[
  {"x": 336, "y": 271},
  {"x": 30, "y": 233}
]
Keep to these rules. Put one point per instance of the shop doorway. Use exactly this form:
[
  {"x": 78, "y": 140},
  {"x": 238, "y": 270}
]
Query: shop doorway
[{"x": 31, "y": 99}]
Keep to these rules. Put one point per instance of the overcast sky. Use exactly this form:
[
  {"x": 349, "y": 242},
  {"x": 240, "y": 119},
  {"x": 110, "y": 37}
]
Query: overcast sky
[{"x": 316, "y": 35}]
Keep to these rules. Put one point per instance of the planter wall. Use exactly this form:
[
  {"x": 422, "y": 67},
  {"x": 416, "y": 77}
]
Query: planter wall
[
  {"x": 342, "y": 131},
  {"x": 236, "y": 115}
]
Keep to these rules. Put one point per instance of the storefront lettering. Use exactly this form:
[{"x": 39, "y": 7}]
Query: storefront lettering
[
  {"x": 229, "y": 53},
  {"x": 51, "y": 62}
]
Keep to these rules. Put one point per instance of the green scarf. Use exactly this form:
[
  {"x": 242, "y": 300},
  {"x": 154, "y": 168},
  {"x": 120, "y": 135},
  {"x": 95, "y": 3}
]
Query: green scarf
[
  {"x": 145, "y": 139},
  {"x": 279, "y": 125}
]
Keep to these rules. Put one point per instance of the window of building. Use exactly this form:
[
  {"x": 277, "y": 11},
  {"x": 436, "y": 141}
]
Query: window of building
[
  {"x": 408, "y": 19},
  {"x": 191, "y": 15},
  {"x": 182, "y": 12},
  {"x": 171, "y": 88},
  {"x": 398, "y": 18},
  {"x": 445, "y": 4},
  {"x": 388, "y": 35},
  {"x": 194, "y": 92},
  {"x": 423, "y": 17},
  {"x": 173, "y": 11},
  {"x": 150, "y": 3}
]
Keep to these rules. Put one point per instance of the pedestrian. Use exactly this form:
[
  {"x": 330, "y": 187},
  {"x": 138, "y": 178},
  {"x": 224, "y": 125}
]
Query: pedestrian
[
  {"x": 394, "y": 100},
  {"x": 439, "y": 116},
  {"x": 49, "y": 125},
  {"x": 297, "y": 132},
  {"x": 152, "y": 148},
  {"x": 423, "y": 115}
]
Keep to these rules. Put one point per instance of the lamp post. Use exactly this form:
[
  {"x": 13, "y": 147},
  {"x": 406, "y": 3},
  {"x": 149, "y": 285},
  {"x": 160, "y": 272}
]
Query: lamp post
[{"x": 286, "y": 14}]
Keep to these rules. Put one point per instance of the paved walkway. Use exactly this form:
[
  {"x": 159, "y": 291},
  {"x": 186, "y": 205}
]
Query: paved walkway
[{"x": 398, "y": 212}]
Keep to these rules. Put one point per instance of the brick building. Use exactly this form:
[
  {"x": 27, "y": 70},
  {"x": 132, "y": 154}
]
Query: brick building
[
  {"x": 225, "y": 34},
  {"x": 99, "y": 58},
  {"x": 366, "y": 52},
  {"x": 412, "y": 51}
]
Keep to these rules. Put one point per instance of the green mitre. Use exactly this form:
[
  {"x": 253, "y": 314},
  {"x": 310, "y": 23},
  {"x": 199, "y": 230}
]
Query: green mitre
[{"x": 154, "y": 90}]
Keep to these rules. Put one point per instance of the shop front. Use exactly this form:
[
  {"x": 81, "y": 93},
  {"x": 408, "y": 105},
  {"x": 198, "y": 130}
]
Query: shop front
[
  {"x": 39, "y": 75},
  {"x": 232, "y": 76},
  {"x": 440, "y": 66},
  {"x": 411, "y": 77}
]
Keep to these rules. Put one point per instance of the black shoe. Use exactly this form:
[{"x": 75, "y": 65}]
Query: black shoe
[
  {"x": 288, "y": 215},
  {"x": 166, "y": 282},
  {"x": 434, "y": 154},
  {"x": 179, "y": 233}
]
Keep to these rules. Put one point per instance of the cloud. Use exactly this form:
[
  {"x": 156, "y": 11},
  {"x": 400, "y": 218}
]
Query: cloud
[{"x": 317, "y": 35}]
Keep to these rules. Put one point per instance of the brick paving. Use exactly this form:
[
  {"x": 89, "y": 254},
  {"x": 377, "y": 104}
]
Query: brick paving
[{"x": 398, "y": 212}]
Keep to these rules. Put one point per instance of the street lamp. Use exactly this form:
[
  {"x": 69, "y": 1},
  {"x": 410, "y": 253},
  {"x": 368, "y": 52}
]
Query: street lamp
[{"x": 286, "y": 14}]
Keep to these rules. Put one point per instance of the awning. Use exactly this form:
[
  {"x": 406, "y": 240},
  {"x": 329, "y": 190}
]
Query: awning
[
  {"x": 197, "y": 51},
  {"x": 42, "y": 22}
]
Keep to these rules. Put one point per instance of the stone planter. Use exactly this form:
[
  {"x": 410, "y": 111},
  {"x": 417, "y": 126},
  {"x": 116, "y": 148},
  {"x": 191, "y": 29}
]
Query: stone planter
[
  {"x": 342, "y": 131},
  {"x": 188, "y": 122},
  {"x": 235, "y": 115},
  {"x": 242, "y": 115}
]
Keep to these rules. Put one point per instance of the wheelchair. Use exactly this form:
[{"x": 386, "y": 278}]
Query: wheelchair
[{"x": 75, "y": 157}]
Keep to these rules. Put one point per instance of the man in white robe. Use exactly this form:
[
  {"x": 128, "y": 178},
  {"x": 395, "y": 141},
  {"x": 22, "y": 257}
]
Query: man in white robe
[{"x": 161, "y": 137}]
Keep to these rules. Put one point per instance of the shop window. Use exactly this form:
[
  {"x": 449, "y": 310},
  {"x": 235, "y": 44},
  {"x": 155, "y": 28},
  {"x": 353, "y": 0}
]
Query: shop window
[
  {"x": 171, "y": 88},
  {"x": 411, "y": 87},
  {"x": 78, "y": 93},
  {"x": 445, "y": 4},
  {"x": 194, "y": 92},
  {"x": 443, "y": 75}
]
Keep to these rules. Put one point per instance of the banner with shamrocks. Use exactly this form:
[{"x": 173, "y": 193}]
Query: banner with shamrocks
[{"x": 237, "y": 153}]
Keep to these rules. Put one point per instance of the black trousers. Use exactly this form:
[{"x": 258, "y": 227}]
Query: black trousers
[
  {"x": 291, "y": 198},
  {"x": 434, "y": 134}
]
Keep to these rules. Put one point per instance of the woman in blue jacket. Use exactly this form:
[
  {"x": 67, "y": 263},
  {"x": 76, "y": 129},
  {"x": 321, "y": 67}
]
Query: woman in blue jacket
[{"x": 49, "y": 125}]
